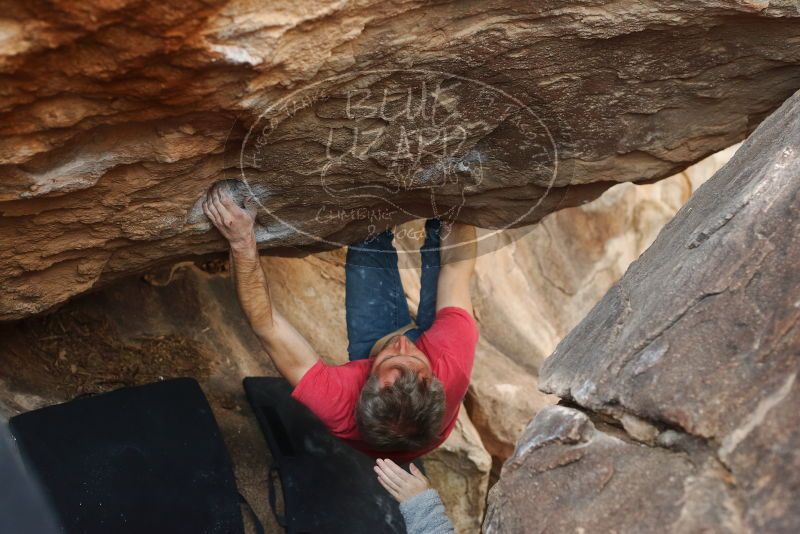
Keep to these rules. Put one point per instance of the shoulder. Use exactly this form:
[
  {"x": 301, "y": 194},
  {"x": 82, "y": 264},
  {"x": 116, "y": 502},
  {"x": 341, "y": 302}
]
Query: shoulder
[
  {"x": 326, "y": 375},
  {"x": 457, "y": 317},
  {"x": 454, "y": 328},
  {"x": 331, "y": 392},
  {"x": 450, "y": 345}
]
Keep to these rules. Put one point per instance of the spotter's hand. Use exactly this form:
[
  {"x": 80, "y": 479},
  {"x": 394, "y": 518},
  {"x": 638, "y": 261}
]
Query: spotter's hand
[
  {"x": 400, "y": 484},
  {"x": 233, "y": 222}
]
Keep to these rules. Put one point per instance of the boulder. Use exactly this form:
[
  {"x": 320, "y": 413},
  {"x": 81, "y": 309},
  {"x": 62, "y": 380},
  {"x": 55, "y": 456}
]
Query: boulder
[
  {"x": 502, "y": 399},
  {"x": 700, "y": 339},
  {"x": 568, "y": 475},
  {"x": 459, "y": 471},
  {"x": 116, "y": 117},
  {"x": 539, "y": 282}
]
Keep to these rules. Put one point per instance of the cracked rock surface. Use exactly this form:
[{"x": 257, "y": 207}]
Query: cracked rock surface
[
  {"x": 186, "y": 321},
  {"x": 568, "y": 475},
  {"x": 698, "y": 342},
  {"x": 116, "y": 117}
]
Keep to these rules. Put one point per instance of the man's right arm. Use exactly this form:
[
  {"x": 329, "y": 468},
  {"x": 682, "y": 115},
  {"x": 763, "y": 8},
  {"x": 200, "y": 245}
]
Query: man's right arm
[
  {"x": 291, "y": 353},
  {"x": 459, "y": 249}
]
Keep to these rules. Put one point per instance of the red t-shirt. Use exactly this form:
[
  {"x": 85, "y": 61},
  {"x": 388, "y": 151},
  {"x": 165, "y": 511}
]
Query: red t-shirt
[{"x": 331, "y": 391}]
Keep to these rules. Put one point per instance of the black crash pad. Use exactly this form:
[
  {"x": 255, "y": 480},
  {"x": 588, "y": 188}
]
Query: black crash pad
[
  {"x": 23, "y": 508},
  {"x": 327, "y": 486},
  {"x": 140, "y": 460}
]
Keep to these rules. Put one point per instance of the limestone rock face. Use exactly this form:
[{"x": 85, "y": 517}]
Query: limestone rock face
[
  {"x": 502, "y": 399},
  {"x": 540, "y": 282},
  {"x": 193, "y": 315},
  {"x": 567, "y": 475},
  {"x": 115, "y": 117},
  {"x": 459, "y": 470},
  {"x": 545, "y": 279},
  {"x": 700, "y": 342}
]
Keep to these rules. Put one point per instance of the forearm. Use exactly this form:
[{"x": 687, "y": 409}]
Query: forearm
[
  {"x": 288, "y": 349},
  {"x": 460, "y": 247},
  {"x": 252, "y": 287},
  {"x": 458, "y": 253}
]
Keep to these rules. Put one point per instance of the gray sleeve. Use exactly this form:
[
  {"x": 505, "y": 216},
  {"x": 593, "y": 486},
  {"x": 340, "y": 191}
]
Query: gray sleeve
[{"x": 424, "y": 514}]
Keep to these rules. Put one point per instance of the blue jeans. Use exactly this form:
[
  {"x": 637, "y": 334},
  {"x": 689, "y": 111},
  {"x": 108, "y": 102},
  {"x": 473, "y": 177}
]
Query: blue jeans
[{"x": 374, "y": 301}]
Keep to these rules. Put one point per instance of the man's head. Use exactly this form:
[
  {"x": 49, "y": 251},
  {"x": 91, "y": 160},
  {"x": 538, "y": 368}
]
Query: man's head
[{"x": 401, "y": 406}]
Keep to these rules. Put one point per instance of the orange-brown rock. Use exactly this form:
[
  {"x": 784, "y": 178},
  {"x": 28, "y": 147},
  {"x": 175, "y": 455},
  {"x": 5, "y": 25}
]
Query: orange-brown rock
[
  {"x": 115, "y": 117},
  {"x": 459, "y": 470},
  {"x": 185, "y": 321},
  {"x": 540, "y": 282}
]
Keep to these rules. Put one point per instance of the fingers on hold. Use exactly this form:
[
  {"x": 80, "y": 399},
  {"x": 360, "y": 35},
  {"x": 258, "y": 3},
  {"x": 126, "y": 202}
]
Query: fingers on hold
[
  {"x": 251, "y": 205},
  {"x": 228, "y": 202},
  {"x": 220, "y": 193},
  {"x": 215, "y": 200},
  {"x": 214, "y": 212},
  {"x": 224, "y": 214}
]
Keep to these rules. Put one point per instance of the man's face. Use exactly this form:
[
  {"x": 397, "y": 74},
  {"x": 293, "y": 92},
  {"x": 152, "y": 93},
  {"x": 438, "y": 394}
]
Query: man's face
[{"x": 399, "y": 351}]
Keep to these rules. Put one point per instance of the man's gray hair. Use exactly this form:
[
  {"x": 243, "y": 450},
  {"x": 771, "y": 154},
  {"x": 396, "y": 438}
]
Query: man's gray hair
[{"x": 404, "y": 416}]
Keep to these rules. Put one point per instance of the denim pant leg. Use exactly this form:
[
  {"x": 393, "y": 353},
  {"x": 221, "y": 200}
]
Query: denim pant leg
[
  {"x": 429, "y": 279},
  {"x": 374, "y": 301}
]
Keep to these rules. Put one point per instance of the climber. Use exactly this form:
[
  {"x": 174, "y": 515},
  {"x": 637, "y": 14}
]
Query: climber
[{"x": 398, "y": 397}]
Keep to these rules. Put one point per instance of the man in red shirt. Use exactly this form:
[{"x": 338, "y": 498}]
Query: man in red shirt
[{"x": 400, "y": 394}]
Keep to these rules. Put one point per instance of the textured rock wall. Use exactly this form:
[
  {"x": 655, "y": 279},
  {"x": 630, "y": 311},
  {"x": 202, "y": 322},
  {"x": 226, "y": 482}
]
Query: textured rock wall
[
  {"x": 187, "y": 318},
  {"x": 115, "y": 117},
  {"x": 551, "y": 274},
  {"x": 684, "y": 374},
  {"x": 541, "y": 281},
  {"x": 185, "y": 321},
  {"x": 182, "y": 320}
]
